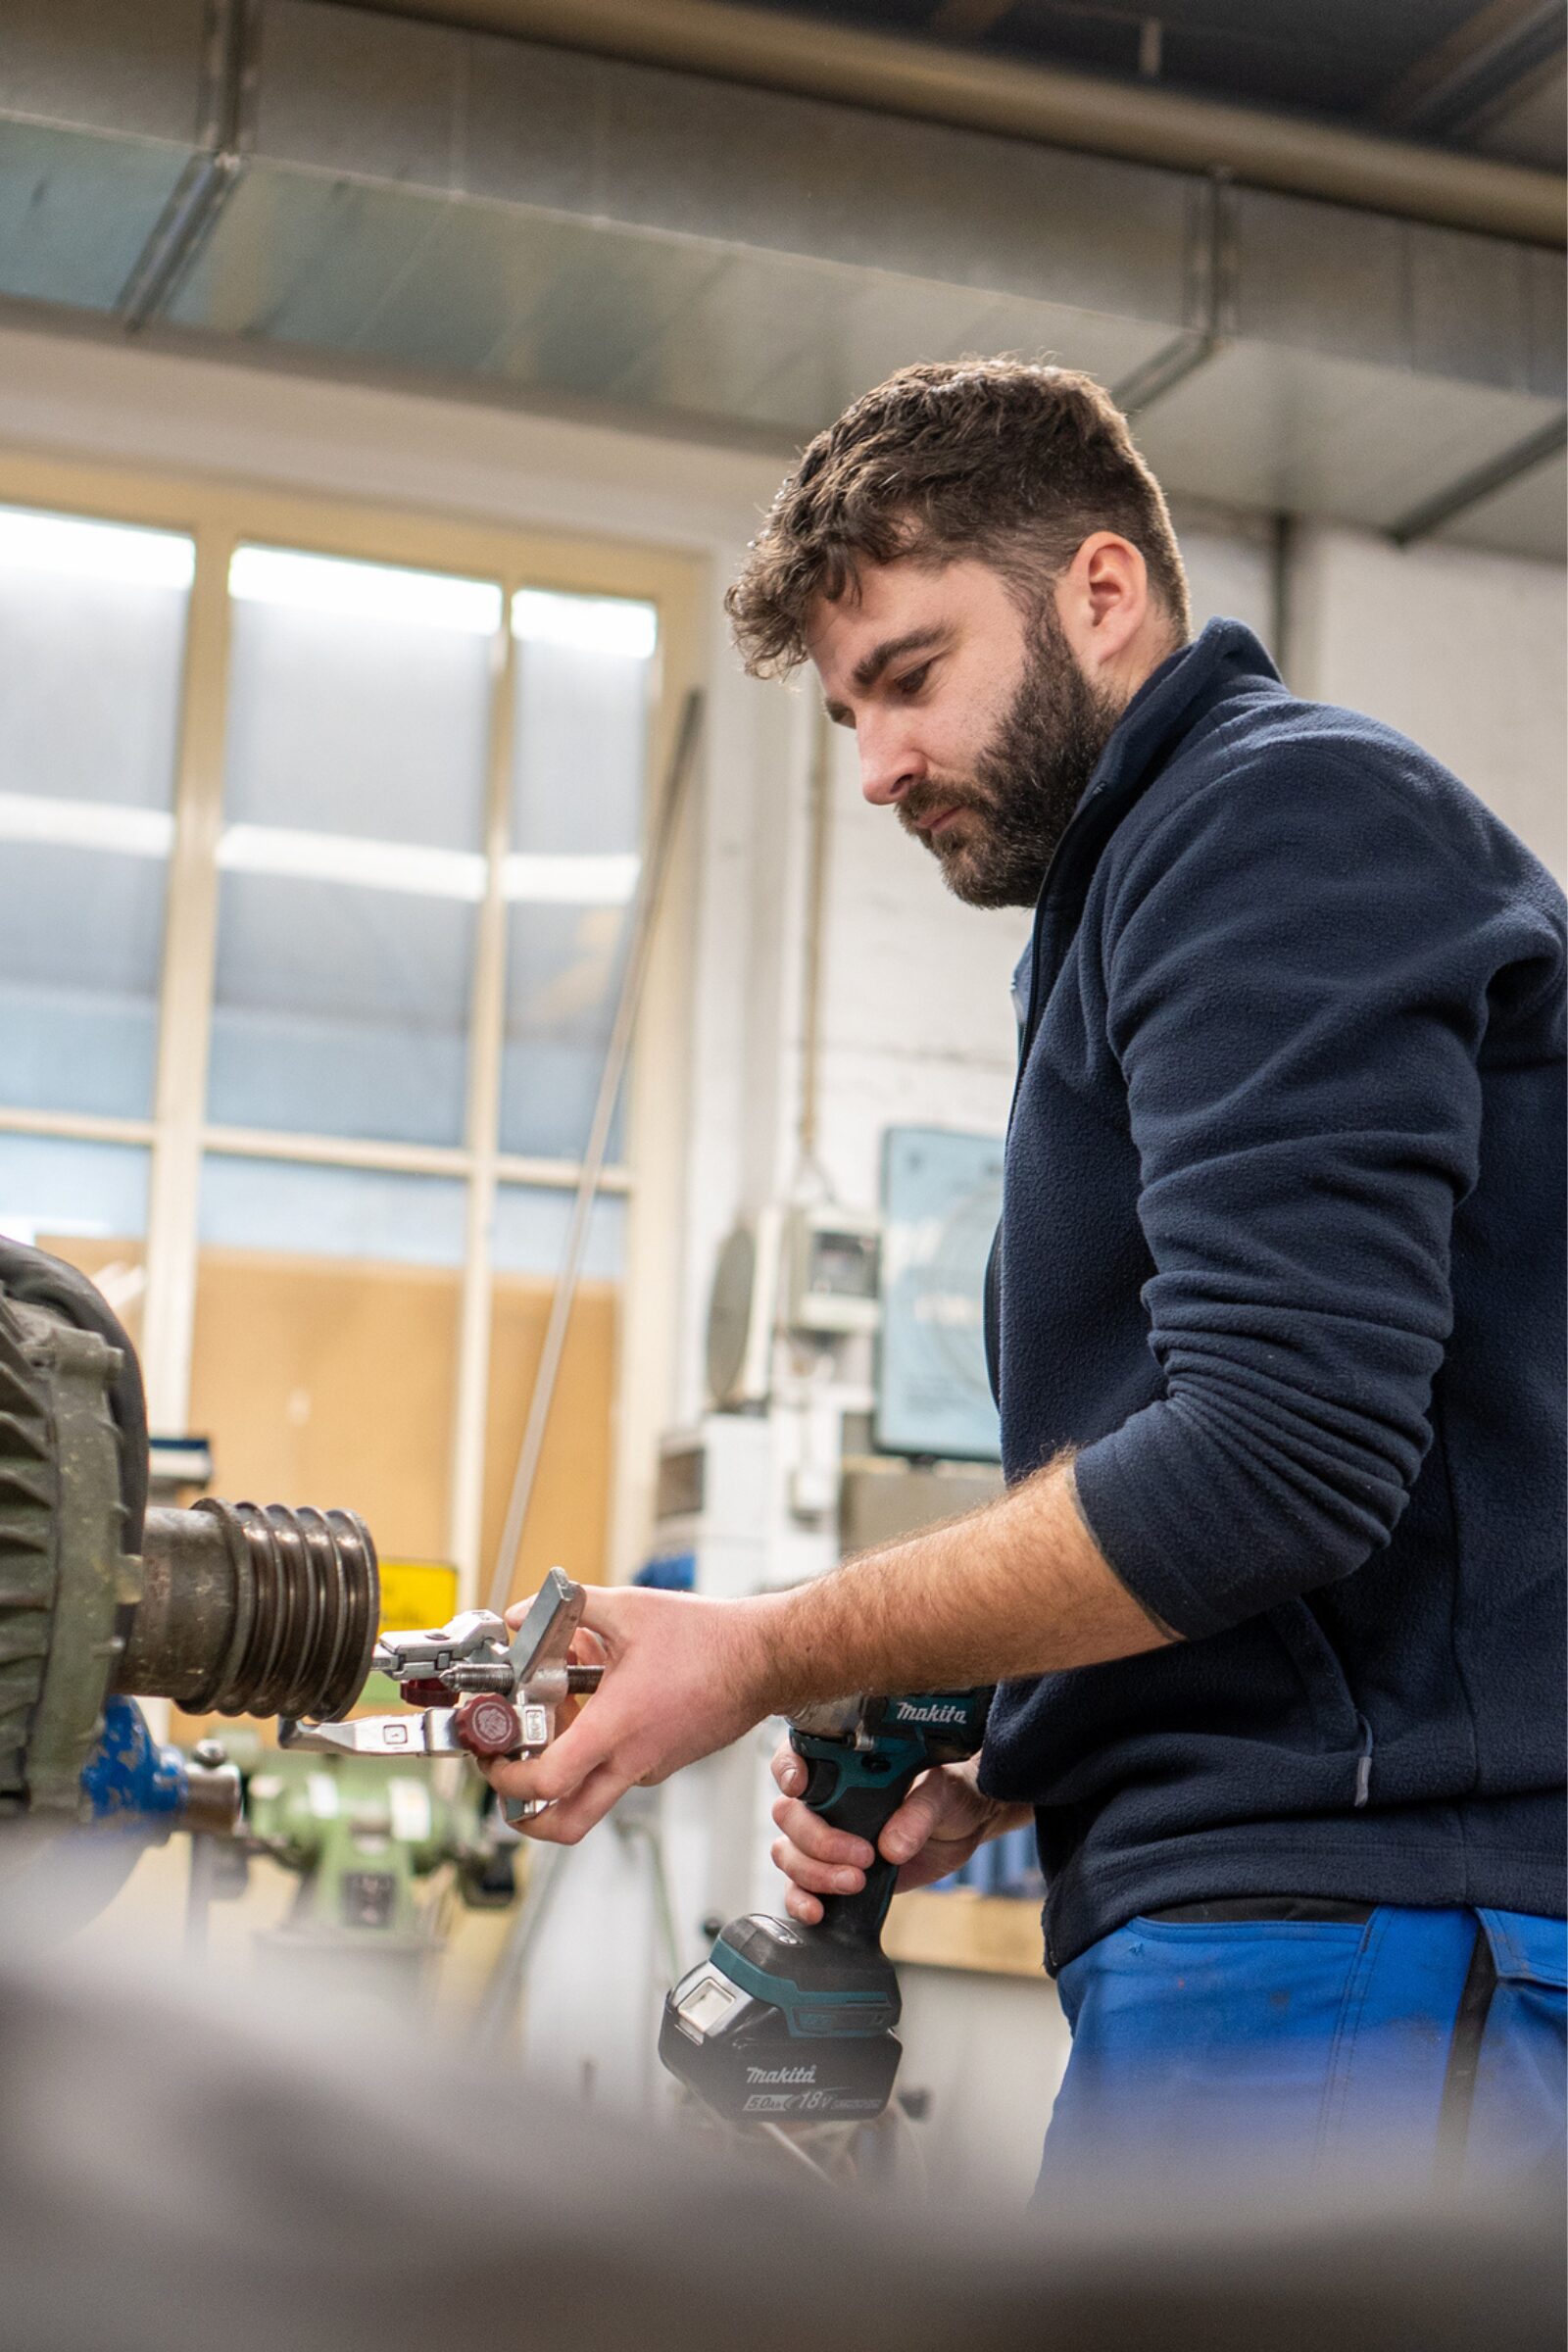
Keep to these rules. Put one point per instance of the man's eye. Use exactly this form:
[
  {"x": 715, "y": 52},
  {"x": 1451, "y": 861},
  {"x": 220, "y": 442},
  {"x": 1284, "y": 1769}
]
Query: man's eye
[{"x": 911, "y": 680}]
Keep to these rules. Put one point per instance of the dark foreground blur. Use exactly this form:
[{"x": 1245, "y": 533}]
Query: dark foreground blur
[{"x": 173, "y": 2172}]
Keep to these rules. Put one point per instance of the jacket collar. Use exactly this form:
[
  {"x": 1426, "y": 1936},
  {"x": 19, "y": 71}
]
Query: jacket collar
[
  {"x": 1172, "y": 698},
  {"x": 1224, "y": 660}
]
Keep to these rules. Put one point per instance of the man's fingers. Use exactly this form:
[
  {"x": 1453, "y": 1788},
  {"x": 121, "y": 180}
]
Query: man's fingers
[
  {"x": 813, "y": 1836},
  {"x": 564, "y": 1767},
  {"x": 788, "y": 1769},
  {"x": 587, "y": 1642},
  {"x": 802, "y": 1906},
  {"x": 683, "y": 1677},
  {"x": 606, "y": 1612},
  {"x": 818, "y": 1877},
  {"x": 566, "y": 1823}
]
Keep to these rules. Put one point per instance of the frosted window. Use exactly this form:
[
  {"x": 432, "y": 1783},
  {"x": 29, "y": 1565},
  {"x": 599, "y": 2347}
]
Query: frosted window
[
  {"x": 307, "y": 1212},
  {"x": 352, "y": 855},
  {"x": 529, "y": 1233},
  {"x": 92, "y": 631},
  {"x": 54, "y": 1185},
  {"x": 340, "y": 1011},
  {"x": 584, "y": 674}
]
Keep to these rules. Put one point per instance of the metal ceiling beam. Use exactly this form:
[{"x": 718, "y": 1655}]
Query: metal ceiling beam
[
  {"x": 1460, "y": 496},
  {"x": 814, "y": 58},
  {"x": 1481, "y": 60}
]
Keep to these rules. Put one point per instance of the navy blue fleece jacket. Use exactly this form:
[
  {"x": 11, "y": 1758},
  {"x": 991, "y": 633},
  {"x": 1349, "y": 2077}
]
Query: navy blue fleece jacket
[{"x": 1282, "y": 1254}]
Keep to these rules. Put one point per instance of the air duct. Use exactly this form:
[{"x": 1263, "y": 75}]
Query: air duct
[{"x": 934, "y": 83}]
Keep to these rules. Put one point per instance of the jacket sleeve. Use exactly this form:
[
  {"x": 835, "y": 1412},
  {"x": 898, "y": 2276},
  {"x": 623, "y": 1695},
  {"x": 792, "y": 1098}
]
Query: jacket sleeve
[{"x": 1295, "y": 980}]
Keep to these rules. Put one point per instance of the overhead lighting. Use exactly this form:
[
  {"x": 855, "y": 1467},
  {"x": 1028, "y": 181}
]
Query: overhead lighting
[
  {"x": 429, "y": 600},
  {"x": 427, "y": 873},
  {"x": 31, "y": 541},
  {"x": 596, "y": 624},
  {"x": 85, "y": 824},
  {"x": 568, "y": 881}
]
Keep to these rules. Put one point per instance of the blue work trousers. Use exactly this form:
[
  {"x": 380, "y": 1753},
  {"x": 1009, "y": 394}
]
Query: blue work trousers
[{"x": 1399, "y": 2050}]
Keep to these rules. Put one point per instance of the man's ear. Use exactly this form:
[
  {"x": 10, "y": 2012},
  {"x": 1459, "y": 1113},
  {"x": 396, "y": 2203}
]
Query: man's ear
[{"x": 1103, "y": 599}]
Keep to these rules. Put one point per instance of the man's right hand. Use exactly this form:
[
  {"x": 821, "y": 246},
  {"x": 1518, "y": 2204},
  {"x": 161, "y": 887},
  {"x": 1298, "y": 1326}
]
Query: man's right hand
[{"x": 935, "y": 1830}]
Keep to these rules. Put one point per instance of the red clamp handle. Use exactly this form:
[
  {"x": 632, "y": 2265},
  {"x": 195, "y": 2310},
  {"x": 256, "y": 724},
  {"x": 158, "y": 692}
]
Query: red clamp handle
[{"x": 487, "y": 1725}]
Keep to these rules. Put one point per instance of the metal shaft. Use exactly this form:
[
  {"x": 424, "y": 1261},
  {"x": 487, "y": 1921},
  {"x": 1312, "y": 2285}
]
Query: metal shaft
[{"x": 252, "y": 1610}]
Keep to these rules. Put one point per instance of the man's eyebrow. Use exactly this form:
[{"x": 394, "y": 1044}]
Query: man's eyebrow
[{"x": 868, "y": 670}]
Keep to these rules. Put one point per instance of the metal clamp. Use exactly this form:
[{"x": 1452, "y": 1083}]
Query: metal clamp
[{"x": 485, "y": 1696}]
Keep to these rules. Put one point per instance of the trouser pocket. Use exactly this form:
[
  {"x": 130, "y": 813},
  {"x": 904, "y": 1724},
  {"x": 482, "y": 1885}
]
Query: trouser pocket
[
  {"x": 1202, "y": 2053},
  {"x": 1503, "y": 2095}
]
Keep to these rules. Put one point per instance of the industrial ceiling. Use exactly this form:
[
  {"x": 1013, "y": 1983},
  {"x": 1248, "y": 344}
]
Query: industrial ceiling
[
  {"x": 1482, "y": 79},
  {"x": 727, "y": 220}
]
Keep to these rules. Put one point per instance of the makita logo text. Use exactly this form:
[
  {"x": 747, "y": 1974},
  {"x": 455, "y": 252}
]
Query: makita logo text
[
  {"x": 951, "y": 1713},
  {"x": 781, "y": 2073}
]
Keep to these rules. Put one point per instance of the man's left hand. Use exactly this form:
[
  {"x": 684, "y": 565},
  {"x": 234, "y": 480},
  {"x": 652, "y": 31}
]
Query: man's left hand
[{"x": 683, "y": 1677}]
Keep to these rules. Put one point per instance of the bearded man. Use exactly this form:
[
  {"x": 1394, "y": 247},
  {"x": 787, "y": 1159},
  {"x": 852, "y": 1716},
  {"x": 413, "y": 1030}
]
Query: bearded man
[{"x": 1274, "y": 1597}]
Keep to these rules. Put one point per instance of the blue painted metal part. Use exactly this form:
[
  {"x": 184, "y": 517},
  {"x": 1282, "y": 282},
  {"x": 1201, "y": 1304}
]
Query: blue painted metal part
[
  {"x": 131, "y": 1782},
  {"x": 670, "y": 1572},
  {"x": 1006, "y": 1865}
]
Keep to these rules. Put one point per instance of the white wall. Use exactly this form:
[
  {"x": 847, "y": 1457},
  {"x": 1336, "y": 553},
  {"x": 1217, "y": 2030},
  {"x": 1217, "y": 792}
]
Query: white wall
[
  {"x": 1230, "y": 560},
  {"x": 918, "y": 1018},
  {"x": 1464, "y": 651}
]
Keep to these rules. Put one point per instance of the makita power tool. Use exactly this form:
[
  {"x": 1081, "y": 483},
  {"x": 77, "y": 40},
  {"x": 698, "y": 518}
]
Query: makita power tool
[{"x": 784, "y": 2022}]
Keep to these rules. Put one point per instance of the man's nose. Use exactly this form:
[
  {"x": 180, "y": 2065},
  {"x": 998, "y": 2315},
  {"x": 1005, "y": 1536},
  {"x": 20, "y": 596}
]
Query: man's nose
[{"x": 889, "y": 763}]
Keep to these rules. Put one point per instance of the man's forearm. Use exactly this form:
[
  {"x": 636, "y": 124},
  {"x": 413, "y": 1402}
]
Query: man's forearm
[{"x": 1019, "y": 1587}]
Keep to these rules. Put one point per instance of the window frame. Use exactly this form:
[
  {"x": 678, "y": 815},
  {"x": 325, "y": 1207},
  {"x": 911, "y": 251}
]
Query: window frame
[{"x": 218, "y": 515}]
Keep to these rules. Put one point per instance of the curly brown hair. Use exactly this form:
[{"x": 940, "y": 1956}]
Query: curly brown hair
[{"x": 997, "y": 459}]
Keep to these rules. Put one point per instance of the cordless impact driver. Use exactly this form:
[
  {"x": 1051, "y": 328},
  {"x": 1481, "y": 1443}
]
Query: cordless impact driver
[{"x": 789, "y": 2023}]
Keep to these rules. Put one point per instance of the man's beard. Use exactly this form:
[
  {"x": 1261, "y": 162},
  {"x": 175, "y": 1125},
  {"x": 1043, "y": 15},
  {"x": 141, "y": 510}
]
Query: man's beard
[{"x": 1026, "y": 783}]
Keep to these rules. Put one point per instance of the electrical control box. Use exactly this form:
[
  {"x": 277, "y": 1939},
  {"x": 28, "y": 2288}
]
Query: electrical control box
[
  {"x": 832, "y": 1258},
  {"x": 714, "y": 1506}
]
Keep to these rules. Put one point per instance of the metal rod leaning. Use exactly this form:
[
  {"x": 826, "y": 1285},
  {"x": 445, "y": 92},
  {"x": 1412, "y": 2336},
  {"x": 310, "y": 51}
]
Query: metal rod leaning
[{"x": 644, "y": 916}]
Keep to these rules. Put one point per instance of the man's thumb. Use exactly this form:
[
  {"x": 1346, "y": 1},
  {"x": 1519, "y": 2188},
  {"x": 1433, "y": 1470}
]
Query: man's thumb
[{"x": 910, "y": 1827}]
